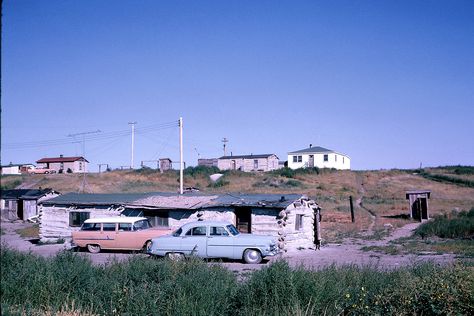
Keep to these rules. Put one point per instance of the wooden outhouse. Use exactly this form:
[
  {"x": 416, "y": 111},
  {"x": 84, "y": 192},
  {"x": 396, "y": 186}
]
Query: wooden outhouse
[{"x": 419, "y": 207}]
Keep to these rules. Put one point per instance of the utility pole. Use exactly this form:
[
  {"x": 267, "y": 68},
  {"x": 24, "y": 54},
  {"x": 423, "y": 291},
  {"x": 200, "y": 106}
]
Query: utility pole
[
  {"x": 225, "y": 141},
  {"x": 103, "y": 164},
  {"x": 83, "y": 134},
  {"x": 181, "y": 155},
  {"x": 133, "y": 141}
]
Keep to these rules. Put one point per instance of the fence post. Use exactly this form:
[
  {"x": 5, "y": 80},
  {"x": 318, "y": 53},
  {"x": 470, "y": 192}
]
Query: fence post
[{"x": 352, "y": 209}]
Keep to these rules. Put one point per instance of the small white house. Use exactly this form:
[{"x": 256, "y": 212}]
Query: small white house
[
  {"x": 248, "y": 163},
  {"x": 16, "y": 169},
  {"x": 318, "y": 157}
]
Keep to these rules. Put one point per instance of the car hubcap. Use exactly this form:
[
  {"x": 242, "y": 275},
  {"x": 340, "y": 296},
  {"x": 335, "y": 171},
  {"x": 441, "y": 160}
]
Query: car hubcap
[{"x": 252, "y": 255}]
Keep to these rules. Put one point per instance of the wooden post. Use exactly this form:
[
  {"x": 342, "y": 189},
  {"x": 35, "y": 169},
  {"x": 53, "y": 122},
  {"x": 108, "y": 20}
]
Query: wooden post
[
  {"x": 317, "y": 221},
  {"x": 352, "y": 209}
]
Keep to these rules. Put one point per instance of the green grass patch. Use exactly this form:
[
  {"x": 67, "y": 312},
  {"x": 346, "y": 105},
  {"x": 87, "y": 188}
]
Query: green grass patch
[
  {"x": 454, "y": 226},
  {"x": 29, "y": 232},
  {"x": 142, "y": 286}
]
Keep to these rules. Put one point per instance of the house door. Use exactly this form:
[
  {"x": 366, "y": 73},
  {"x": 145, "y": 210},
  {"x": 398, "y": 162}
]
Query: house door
[
  {"x": 311, "y": 161},
  {"x": 232, "y": 165},
  {"x": 19, "y": 210},
  {"x": 243, "y": 219}
]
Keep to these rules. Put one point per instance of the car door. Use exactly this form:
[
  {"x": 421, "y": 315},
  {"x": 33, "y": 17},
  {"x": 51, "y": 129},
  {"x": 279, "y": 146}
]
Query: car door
[
  {"x": 219, "y": 243},
  {"x": 125, "y": 237},
  {"x": 108, "y": 235},
  {"x": 193, "y": 242}
]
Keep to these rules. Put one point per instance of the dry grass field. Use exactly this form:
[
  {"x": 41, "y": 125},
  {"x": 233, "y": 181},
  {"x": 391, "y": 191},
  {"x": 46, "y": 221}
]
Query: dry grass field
[{"x": 378, "y": 196}]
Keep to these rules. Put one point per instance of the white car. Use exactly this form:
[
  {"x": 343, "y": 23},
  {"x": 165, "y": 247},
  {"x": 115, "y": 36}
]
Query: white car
[{"x": 213, "y": 239}]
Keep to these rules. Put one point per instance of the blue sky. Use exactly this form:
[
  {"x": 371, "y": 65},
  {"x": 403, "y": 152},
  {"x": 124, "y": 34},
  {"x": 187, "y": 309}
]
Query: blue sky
[{"x": 389, "y": 83}]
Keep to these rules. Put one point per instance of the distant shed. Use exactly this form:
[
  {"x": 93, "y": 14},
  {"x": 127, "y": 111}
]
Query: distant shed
[{"x": 419, "y": 207}]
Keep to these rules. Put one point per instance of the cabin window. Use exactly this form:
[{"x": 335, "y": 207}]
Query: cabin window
[
  {"x": 326, "y": 157},
  {"x": 76, "y": 219},
  {"x": 299, "y": 222}
]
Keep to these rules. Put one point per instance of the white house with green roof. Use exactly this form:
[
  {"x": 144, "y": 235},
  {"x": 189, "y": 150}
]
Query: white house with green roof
[{"x": 318, "y": 157}]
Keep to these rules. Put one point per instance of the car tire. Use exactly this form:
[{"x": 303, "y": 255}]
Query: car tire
[
  {"x": 252, "y": 256},
  {"x": 46, "y": 172},
  {"x": 174, "y": 256},
  {"x": 147, "y": 246},
  {"x": 93, "y": 248}
]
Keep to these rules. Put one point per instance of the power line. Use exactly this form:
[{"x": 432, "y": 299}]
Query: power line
[{"x": 91, "y": 137}]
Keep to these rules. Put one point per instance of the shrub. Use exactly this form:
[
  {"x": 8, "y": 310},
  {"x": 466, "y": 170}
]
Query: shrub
[
  {"x": 458, "y": 226},
  {"x": 200, "y": 170}
]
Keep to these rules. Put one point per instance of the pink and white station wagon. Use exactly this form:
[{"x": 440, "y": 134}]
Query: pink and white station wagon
[{"x": 126, "y": 233}]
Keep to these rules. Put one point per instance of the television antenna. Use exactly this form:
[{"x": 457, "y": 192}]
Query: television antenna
[{"x": 83, "y": 134}]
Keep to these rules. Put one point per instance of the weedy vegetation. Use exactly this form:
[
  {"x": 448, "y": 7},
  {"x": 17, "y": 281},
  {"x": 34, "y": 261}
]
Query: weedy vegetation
[{"x": 69, "y": 284}]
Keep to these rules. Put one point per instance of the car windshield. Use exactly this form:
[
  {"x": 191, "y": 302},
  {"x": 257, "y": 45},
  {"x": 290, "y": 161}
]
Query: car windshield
[
  {"x": 178, "y": 232},
  {"x": 231, "y": 228}
]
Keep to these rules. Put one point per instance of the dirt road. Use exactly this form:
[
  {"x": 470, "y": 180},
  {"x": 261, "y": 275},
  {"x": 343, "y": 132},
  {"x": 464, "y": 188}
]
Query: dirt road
[{"x": 347, "y": 253}]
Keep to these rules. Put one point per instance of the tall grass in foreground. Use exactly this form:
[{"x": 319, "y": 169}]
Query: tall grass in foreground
[{"x": 68, "y": 282}]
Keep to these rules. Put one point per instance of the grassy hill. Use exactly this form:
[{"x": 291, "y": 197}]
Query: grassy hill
[{"x": 379, "y": 196}]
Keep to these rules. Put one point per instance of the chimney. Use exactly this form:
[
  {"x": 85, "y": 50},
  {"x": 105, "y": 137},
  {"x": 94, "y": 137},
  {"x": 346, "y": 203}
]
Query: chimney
[
  {"x": 310, "y": 145},
  {"x": 61, "y": 156}
]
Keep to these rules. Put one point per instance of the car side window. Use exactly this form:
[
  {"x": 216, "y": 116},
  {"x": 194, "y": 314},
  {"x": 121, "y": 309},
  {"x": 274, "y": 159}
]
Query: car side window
[
  {"x": 219, "y": 231},
  {"x": 125, "y": 227},
  {"x": 91, "y": 226},
  {"x": 199, "y": 231},
  {"x": 108, "y": 226}
]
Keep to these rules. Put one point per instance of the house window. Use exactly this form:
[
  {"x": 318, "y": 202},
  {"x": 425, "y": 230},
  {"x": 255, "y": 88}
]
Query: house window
[
  {"x": 326, "y": 157},
  {"x": 299, "y": 222},
  {"x": 255, "y": 164},
  {"x": 76, "y": 219},
  {"x": 80, "y": 165},
  {"x": 297, "y": 158}
]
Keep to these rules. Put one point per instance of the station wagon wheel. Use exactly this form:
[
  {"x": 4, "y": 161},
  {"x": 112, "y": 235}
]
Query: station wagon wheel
[
  {"x": 174, "y": 256},
  {"x": 93, "y": 248},
  {"x": 147, "y": 246},
  {"x": 252, "y": 256}
]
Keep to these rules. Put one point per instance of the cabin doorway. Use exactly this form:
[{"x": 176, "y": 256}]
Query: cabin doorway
[
  {"x": 19, "y": 209},
  {"x": 243, "y": 219}
]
